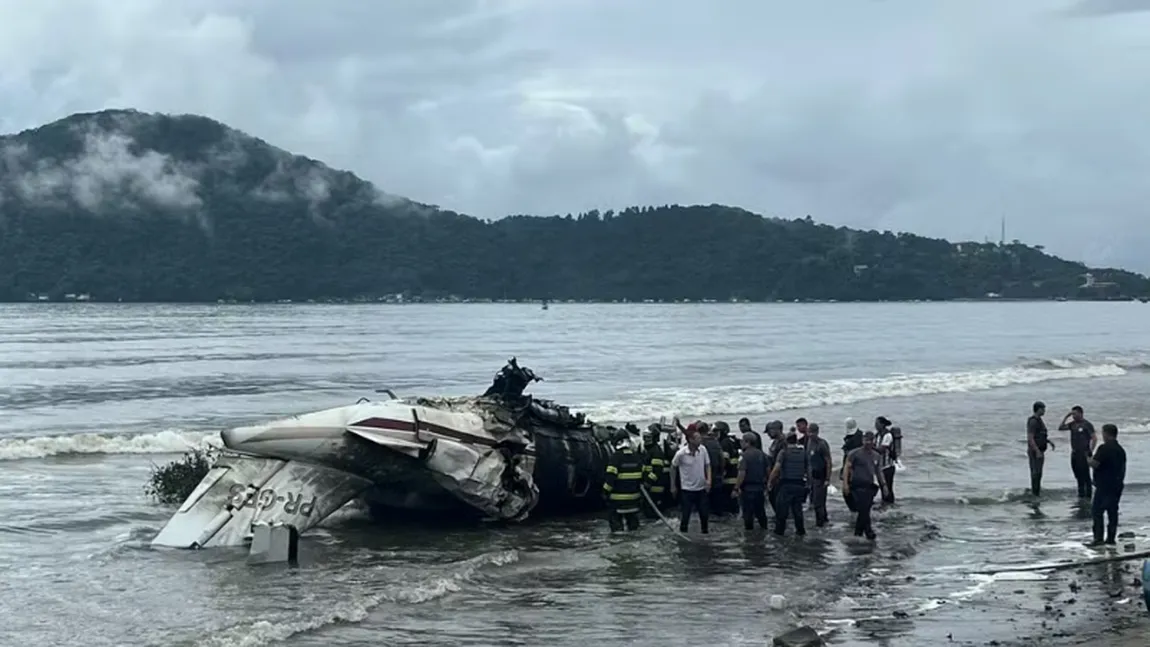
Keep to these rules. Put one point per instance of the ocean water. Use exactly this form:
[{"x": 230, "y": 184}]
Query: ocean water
[{"x": 91, "y": 396}]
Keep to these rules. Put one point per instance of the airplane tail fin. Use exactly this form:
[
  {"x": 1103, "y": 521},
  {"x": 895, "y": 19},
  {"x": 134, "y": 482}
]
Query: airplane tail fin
[{"x": 241, "y": 490}]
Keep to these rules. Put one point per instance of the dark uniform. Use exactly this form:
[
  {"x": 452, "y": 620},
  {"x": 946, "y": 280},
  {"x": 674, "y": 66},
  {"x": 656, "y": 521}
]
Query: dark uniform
[
  {"x": 794, "y": 469},
  {"x": 1036, "y": 455},
  {"x": 719, "y": 506},
  {"x": 656, "y": 475},
  {"x": 1109, "y": 462},
  {"x": 624, "y": 478},
  {"x": 730, "y": 467}
]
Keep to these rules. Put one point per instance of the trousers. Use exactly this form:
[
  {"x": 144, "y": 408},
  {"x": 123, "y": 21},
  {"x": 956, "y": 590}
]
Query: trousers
[
  {"x": 888, "y": 474},
  {"x": 754, "y": 504},
  {"x": 693, "y": 501},
  {"x": 1081, "y": 469},
  {"x": 863, "y": 495},
  {"x": 1037, "y": 460},
  {"x": 819, "y": 501},
  {"x": 789, "y": 502},
  {"x": 618, "y": 520},
  {"x": 1106, "y": 503}
]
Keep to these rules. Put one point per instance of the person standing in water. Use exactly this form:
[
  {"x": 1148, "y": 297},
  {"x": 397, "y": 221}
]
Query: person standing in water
[
  {"x": 1037, "y": 442},
  {"x": 860, "y": 473},
  {"x": 621, "y": 486},
  {"x": 751, "y": 487},
  {"x": 1109, "y": 463},
  {"x": 821, "y": 460},
  {"x": 1082, "y": 442},
  {"x": 886, "y": 451},
  {"x": 791, "y": 476},
  {"x": 774, "y": 430},
  {"x": 691, "y": 480}
]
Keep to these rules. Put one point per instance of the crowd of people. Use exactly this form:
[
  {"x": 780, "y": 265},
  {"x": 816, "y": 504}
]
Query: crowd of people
[
  {"x": 706, "y": 471},
  {"x": 1107, "y": 459}
]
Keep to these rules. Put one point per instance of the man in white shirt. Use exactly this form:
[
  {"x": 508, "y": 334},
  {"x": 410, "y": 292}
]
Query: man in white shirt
[
  {"x": 691, "y": 480},
  {"x": 886, "y": 449}
]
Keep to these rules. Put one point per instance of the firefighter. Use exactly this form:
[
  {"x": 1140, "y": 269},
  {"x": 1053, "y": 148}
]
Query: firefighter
[
  {"x": 621, "y": 486},
  {"x": 730, "y": 466},
  {"x": 654, "y": 469}
]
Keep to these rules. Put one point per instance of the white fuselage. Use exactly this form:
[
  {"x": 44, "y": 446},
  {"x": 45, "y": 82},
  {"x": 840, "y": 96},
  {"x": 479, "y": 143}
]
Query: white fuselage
[{"x": 322, "y": 437}]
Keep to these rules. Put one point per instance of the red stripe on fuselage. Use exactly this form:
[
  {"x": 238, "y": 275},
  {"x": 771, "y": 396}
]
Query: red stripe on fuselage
[{"x": 409, "y": 426}]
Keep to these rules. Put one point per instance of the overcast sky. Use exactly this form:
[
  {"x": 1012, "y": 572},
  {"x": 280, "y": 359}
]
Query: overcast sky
[{"x": 937, "y": 117}]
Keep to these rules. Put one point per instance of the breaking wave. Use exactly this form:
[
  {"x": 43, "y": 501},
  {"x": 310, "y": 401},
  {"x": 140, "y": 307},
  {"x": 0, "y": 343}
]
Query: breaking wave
[
  {"x": 161, "y": 442},
  {"x": 641, "y": 405},
  {"x": 757, "y": 399},
  {"x": 265, "y": 632}
]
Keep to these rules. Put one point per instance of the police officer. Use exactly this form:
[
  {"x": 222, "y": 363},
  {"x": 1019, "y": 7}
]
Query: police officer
[
  {"x": 621, "y": 486},
  {"x": 655, "y": 469},
  {"x": 774, "y": 431},
  {"x": 730, "y": 466},
  {"x": 791, "y": 477}
]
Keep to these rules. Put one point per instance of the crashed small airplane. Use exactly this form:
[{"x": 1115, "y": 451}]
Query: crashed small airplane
[{"x": 504, "y": 455}]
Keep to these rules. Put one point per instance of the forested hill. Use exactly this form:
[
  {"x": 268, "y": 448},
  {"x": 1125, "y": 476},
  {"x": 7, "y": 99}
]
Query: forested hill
[{"x": 123, "y": 205}]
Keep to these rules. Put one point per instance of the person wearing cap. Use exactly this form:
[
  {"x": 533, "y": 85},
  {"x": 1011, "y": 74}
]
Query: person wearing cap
[
  {"x": 860, "y": 472},
  {"x": 822, "y": 462},
  {"x": 1037, "y": 442},
  {"x": 751, "y": 486},
  {"x": 852, "y": 440}
]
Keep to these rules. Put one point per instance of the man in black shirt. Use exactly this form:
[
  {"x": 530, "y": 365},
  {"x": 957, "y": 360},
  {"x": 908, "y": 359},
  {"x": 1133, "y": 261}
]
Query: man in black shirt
[
  {"x": 1082, "y": 441},
  {"x": 1109, "y": 463},
  {"x": 1037, "y": 442}
]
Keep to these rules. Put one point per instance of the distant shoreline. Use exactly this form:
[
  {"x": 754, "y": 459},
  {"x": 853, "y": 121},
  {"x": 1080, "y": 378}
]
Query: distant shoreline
[{"x": 541, "y": 302}]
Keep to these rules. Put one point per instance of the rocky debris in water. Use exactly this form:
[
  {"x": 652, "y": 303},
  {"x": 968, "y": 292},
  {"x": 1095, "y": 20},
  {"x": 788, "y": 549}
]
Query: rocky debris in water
[
  {"x": 1074, "y": 588},
  {"x": 1126, "y": 535},
  {"x": 1137, "y": 583},
  {"x": 799, "y": 637}
]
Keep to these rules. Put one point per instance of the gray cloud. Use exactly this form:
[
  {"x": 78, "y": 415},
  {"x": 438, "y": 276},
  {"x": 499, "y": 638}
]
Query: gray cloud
[{"x": 936, "y": 117}]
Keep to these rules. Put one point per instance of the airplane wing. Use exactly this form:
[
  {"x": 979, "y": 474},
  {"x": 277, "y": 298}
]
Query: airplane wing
[{"x": 241, "y": 490}]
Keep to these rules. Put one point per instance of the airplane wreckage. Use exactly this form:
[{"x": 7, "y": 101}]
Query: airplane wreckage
[{"x": 504, "y": 455}]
